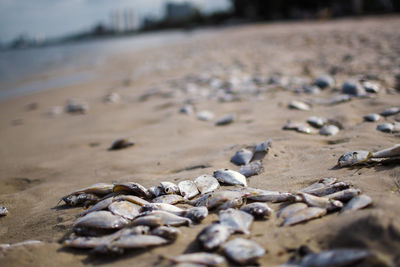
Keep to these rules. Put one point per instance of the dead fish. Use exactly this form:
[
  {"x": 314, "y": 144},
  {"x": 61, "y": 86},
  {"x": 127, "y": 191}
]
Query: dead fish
[
  {"x": 253, "y": 168},
  {"x": 322, "y": 183},
  {"x": 329, "y": 130},
  {"x": 169, "y": 199},
  {"x": 205, "y": 115},
  {"x": 328, "y": 189},
  {"x": 357, "y": 202},
  {"x": 3, "y": 211},
  {"x": 125, "y": 209},
  {"x": 393, "y": 151},
  {"x": 206, "y": 183},
  {"x": 337, "y": 99},
  {"x": 200, "y": 258},
  {"x": 298, "y": 127},
  {"x": 121, "y": 144},
  {"x": 353, "y": 158},
  {"x": 101, "y": 205},
  {"x": 324, "y": 81},
  {"x": 80, "y": 199},
  {"x": 133, "y": 199},
  {"x": 304, "y": 215},
  {"x": 170, "y": 188},
  {"x": 168, "y": 218},
  {"x": 202, "y": 200},
  {"x": 97, "y": 189},
  {"x": 385, "y": 127},
  {"x": 163, "y": 206},
  {"x": 290, "y": 210},
  {"x": 243, "y": 251},
  {"x": 93, "y": 242},
  {"x": 317, "y": 122},
  {"x": 226, "y": 119},
  {"x": 230, "y": 177},
  {"x": 112, "y": 98},
  {"x": 188, "y": 189},
  {"x": 187, "y": 109},
  {"x": 258, "y": 210},
  {"x": 371, "y": 87},
  {"x": 156, "y": 191},
  {"x": 196, "y": 214},
  {"x": 233, "y": 203},
  {"x": 267, "y": 196},
  {"x": 148, "y": 220},
  {"x": 337, "y": 258},
  {"x": 242, "y": 157},
  {"x": 138, "y": 241},
  {"x": 372, "y": 117},
  {"x": 320, "y": 202},
  {"x": 352, "y": 87},
  {"x": 344, "y": 195},
  {"x": 101, "y": 220},
  {"x": 221, "y": 197},
  {"x": 214, "y": 235},
  {"x": 167, "y": 232},
  {"x": 23, "y": 243},
  {"x": 390, "y": 111},
  {"x": 132, "y": 188},
  {"x": 299, "y": 105},
  {"x": 239, "y": 221},
  {"x": 73, "y": 106}
]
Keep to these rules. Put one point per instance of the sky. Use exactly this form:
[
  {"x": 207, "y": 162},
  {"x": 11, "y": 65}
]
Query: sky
[{"x": 56, "y": 18}]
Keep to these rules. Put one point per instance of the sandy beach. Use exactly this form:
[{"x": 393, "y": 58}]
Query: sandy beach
[{"x": 46, "y": 156}]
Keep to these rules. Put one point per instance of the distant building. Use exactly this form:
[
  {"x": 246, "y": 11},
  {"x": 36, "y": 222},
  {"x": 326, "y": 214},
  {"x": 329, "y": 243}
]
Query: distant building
[{"x": 179, "y": 11}]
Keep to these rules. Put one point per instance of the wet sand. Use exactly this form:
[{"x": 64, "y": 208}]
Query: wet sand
[{"x": 45, "y": 157}]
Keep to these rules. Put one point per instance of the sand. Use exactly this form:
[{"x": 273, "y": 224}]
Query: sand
[{"x": 45, "y": 157}]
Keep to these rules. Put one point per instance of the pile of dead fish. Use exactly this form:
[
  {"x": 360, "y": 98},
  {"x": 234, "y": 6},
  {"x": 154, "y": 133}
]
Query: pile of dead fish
[
  {"x": 128, "y": 216},
  {"x": 363, "y": 157}
]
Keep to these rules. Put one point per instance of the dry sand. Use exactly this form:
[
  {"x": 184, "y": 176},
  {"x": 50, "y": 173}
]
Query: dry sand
[{"x": 46, "y": 157}]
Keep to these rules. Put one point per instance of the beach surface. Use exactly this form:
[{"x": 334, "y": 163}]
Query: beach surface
[{"x": 45, "y": 156}]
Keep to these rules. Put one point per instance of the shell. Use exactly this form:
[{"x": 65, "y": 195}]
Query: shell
[
  {"x": 253, "y": 168},
  {"x": 320, "y": 202},
  {"x": 304, "y": 215},
  {"x": 169, "y": 199},
  {"x": 205, "y": 115},
  {"x": 344, "y": 195},
  {"x": 354, "y": 158},
  {"x": 170, "y": 188},
  {"x": 101, "y": 220},
  {"x": 125, "y": 209},
  {"x": 239, "y": 221},
  {"x": 329, "y": 130},
  {"x": 317, "y": 122},
  {"x": 230, "y": 177},
  {"x": 132, "y": 188},
  {"x": 167, "y": 232},
  {"x": 214, "y": 235},
  {"x": 242, "y": 157},
  {"x": 357, "y": 202},
  {"x": 226, "y": 119},
  {"x": 200, "y": 258},
  {"x": 299, "y": 105},
  {"x": 3, "y": 211},
  {"x": 393, "y": 151},
  {"x": 188, "y": 189},
  {"x": 206, "y": 183},
  {"x": 372, "y": 117},
  {"x": 257, "y": 209},
  {"x": 196, "y": 214},
  {"x": 243, "y": 251},
  {"x": 337, "y": 257},
  {"x": 121, "y": 144},
  {"x": 390, "y": 111}
]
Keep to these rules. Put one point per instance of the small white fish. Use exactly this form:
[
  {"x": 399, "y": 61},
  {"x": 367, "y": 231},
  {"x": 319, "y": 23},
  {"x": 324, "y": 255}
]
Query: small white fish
[
  {"x": 230, "y": 177},
  {"x": 238, "y": 220},
  {"x": 243, "y": 251},
  {"x": 206, "y": 183},
  {"x": 170, "y": 188},
  {"x": 188, "y": 189}
]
